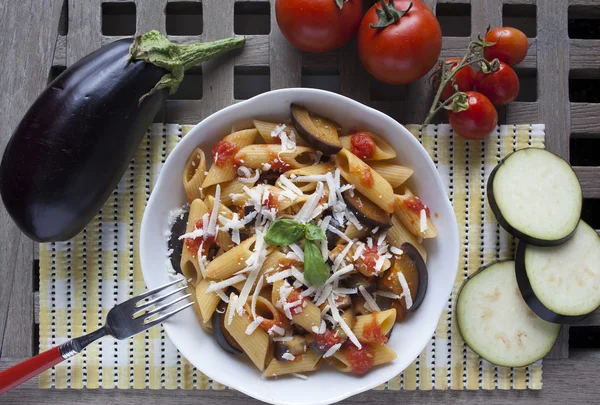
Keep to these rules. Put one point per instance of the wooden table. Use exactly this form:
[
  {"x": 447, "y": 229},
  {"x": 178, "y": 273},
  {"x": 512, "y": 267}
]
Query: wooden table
[{"x": 560, "y": 87}]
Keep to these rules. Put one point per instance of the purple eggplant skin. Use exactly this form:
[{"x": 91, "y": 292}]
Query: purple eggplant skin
[
  {"x": 529, "y": 295},
  {"x": 75, "y": 142}
]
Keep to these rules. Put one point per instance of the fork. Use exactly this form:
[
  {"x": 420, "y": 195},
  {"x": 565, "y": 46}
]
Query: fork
[{"x": 123, "y": 321}]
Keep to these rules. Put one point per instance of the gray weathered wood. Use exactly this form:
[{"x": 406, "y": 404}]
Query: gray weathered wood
[
  {"x": 151, "y": 16},
  {"x": 85, "y": 29},
  {"x": 588, "y": 177},
  {"x": 27, "y": 46},
  {"x": 553, "y": 71},
  {"x": 560, "y": 350},
  {"x": 285, "y": 61},
  {"x": 584, "y": 118}
]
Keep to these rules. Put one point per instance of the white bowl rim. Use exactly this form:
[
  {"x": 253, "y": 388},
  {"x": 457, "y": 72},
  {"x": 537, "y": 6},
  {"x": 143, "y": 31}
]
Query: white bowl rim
[{"x": 217, "y": 116}]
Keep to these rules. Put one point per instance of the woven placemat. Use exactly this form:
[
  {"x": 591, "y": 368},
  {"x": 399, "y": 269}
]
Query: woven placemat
[{"x": 80, "y": 280}]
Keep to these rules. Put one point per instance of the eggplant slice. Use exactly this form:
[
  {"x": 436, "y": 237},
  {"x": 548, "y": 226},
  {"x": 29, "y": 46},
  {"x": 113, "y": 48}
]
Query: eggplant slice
[
  {"x": 536, "y": 197},
  {"x": 175, "y": 244},
  {"x": 319, "y": 132},
  {"x": 495, "y": 321},
  {"x": 222, "y": 336},
  {"x": 366, "y": 211},
  {"x": 418, "y": 261},
  {"x": 561, "y": 284}
]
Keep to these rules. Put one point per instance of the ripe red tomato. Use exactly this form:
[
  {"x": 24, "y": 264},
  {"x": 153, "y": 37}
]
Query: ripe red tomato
[
  {"x": 406, "y": 49},
  {"x": 476, "y": 122},
  {"x": 464, "y": 79},
  {"x": 511, "y": 47},
  {"x": 318, "y": 25},
  {"x": 500, "y": 86}
]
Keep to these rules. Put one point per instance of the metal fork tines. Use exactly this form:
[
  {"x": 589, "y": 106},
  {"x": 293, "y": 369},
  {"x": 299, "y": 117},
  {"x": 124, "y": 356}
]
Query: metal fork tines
[{"x": 136, "y": 315}]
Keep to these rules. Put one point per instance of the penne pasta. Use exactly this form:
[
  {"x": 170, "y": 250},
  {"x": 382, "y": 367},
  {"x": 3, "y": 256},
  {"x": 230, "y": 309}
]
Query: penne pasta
[
  {"x": 396, "y": 175},
  {"x": 367, "y": 181},
  {"x": 381, "y": 354},
  {"x": 259, "y": 156},
  {"x": 352, "y": 232},
  {"x": 374, "y": 327},
  {"x": 398, "y": 234},
  {"x": 313, "y": 170},
  {"x": 230, "y": 262},
  {"x": 307, "y": 315},
  {"x": 255, "y": 345},
  {"x": 305, "y": 362},
  {"x": 267, "y": 129},
  {"x": 382, "y": 151},
  {"x": 189, "y": 254},
  {"x": 207, "y": 301},
  {"x": 414, "y": 215},
  {"x": 194, "y": 173},
  {"x": 223, "y": 168},
  {"x": 229, "y": 190}
]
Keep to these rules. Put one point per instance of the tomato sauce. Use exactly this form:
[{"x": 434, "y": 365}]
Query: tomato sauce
[
  {"x": 271, "y": 202},
  {"x": 414, "y": 204},
  {"x": 372, "y": 332},
  {"x": 361, "y": 360},
  {"x": 362, "y": 145},
  {"x": 325, "y": 341},
  {"x": 267, "y": 324},
  {"x": 366, "y": 178},
  {"x": 369, "y": 257},
  {"x": 293, "y": 297},
  {"x": 279, "y": 165},
  {"x": 194, "y": 244},
  {"x": 223, "y": 152}
]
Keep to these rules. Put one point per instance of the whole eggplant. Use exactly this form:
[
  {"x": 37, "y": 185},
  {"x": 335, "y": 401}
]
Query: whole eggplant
[{"x": 75, "y": 142}]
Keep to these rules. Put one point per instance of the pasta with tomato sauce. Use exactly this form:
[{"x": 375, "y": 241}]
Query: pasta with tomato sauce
[{"x": 302, "y": 258}]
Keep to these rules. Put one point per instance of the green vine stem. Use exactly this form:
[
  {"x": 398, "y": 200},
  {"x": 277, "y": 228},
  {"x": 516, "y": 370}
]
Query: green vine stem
[
  {"x": 472, "y": 57},
  {"x": 389, "y": 14}
]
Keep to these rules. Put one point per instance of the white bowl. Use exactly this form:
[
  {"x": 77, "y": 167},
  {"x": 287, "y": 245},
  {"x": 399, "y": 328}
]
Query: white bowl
[{"x": 324, "y": 386}]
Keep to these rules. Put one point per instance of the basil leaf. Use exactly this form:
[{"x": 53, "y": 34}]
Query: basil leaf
[
  {"x": 284, "y": 232},
  {"x": 316, "y": 270},
  {"x": 314, "y": 232}
]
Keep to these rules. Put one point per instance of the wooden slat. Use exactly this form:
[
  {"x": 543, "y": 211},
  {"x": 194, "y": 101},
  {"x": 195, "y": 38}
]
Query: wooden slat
[
  {"x": 522, "y": 112},
  {"x": 419, "y": 92},
  {"x": 27, "y": 45},
  {"x": 553, "y": 73},
  {"x": 85, "y": 29},
  {"x": 584, "y": 118},
  {"x": 567, "y": 381},
  {"x": 560, "y": 350},
  {"x": 285, "y": 60},
  {"x": 150, "y": 16},
  {"x": 588, "y": 177},
  {"x": 585, "y": 53},
  {"x": 593, "y": 319}
]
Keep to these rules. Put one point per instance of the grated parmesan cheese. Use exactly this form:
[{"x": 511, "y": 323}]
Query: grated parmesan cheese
[
  {"x": 332, "y": 350},
  {"x": 372, "y": 305},
  {"x": 214, "y": 286},
  {"x": 281, "y": 275},
  {"x": 405, "y": 291},
  {"x": 423, "y": 221},
  {"x": 396, "y": 250},
  {"x": 336, "y": 315},
  {"x": 254, "y": 324}
]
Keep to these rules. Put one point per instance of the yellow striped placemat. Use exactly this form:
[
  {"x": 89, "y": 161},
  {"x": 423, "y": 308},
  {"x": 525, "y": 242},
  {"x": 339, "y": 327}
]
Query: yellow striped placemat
[{"x": 80, "y": 280}]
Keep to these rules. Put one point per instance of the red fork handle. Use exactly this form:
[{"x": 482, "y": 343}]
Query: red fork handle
[{"x": 28, "y": 369}]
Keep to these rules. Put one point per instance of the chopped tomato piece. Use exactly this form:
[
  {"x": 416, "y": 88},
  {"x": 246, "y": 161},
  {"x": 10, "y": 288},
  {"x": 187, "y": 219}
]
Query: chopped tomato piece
[
  {"x": 362, "y": 145},
  {"x": 326, "y": 340},
  {"x": 271, "y": 202},
  {"x": 414, "y": 204},
  {"x": 193, "y": 244},
  {"x": 366, "y": 178},
  {"x": 293, "y": 297},
  {"x": 279, "y": 165},
  {"x": 372, "y": 332},
  {"x": 223, "y": 152},
  {"x": 361, "y": 360},
  {"x": 370, "y": 256}
]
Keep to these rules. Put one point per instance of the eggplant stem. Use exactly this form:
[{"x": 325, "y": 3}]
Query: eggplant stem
[{"x": 153, "y": 47}]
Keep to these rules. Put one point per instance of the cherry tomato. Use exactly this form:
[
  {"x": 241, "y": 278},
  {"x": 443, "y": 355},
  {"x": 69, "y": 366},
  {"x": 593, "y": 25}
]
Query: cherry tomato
[
  {"x": 406, "y": 49},
  {"x": 318, "y": 25},
  {"x": 501, "y": 86},
  {"x": 464, "y": 79},
  {"x": 511, "y": 47},
  {"x": 476, "y": 122}
]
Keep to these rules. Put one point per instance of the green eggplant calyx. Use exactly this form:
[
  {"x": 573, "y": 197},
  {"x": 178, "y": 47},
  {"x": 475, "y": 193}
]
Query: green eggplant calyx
[{"x": 153, "y": 47}]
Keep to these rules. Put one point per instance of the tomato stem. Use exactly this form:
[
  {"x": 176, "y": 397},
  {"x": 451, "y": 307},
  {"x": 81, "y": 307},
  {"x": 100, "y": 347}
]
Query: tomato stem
[
  {"x": 388, "y": 14},
  {"x": 473, "y": 56}
]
